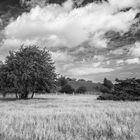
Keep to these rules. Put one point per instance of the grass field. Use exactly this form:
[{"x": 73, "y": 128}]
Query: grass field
[{"x": 65, "y": 117}]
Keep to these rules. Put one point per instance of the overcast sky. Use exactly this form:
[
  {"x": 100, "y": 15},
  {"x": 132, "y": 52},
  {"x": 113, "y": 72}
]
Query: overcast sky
[{"x": 91, "y": 42}]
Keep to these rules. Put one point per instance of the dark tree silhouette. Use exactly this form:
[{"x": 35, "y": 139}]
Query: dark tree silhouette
[
  {"x": 107, "y": 83},
  {"x": 62, "y": 81},
  {"x": 128, "y": 89},
  {"x": 27, "y": 70},
  {"x": 67, "y": 89},
  {"x": 81, "y": 89}
]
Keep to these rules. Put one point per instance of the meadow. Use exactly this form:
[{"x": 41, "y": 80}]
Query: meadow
[{"x": 69, "y": 117}]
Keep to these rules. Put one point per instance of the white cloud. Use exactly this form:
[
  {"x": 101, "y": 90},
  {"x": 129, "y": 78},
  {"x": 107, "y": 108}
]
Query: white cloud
[
  {"x": 133, "y": 61},
  {"x": 70, "y": 27},
  {"x": 124, "y": 4},
  {"x": 135, "y": 50},
  {"x": 13, "y": 45},
  {"x": 88, "y": 70},
  {"x": 62, "y": 57},
  {"x": 97, "y": 64},
  {"x": 68, "y": 5},
  {"x": 120, "y": 62}
]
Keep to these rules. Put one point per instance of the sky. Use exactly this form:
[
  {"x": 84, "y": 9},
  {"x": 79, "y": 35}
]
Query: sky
[{"x": 91, "y": 42}]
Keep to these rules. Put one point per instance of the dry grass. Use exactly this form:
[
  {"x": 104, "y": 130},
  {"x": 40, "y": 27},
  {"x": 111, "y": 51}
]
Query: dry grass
[{"x": 64, "y": 117}]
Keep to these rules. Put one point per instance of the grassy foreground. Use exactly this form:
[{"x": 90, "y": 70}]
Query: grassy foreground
[{"x": 64, "y": 117}]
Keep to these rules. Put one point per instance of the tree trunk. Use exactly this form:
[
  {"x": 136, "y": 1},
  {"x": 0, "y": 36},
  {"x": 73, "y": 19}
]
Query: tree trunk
[
  {"x": 17, "y": 97},
  {"x": 32, "y": 95}
]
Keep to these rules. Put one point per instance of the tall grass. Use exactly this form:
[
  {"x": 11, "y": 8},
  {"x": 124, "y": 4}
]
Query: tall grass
[{"x": 69, "y": 118}]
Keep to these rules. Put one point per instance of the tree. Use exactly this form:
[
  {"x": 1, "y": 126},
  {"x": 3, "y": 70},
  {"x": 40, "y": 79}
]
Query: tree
[
  {"x": 128, "y": 89},
  {"x": 27, "y": 70},
  {"x": 81, "y": 89},
  {"x": 67, "y": 89},
  {"x": 62, "y": 81},
  {"x": 130, "y": 86},
  {"x": 108, "y": 84}
]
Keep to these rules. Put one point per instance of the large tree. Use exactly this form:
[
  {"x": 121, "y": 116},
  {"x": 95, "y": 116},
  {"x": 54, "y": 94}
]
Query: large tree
[{"x": 27, "y": 70}]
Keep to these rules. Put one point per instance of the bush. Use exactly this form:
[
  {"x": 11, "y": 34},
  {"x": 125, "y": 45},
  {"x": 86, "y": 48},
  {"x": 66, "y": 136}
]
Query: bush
[
  {"x": 128, "y": 89},
  {"x": 104, "y": 89},
  {"x": 121, "y": 97},
  {"x": 67, "y": 89},
  {"x": 108, "y": 84},
  {"x": 81, "y": 89}
]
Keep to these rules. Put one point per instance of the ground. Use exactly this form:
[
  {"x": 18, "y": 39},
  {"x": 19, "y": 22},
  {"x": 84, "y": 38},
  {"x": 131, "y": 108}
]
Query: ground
[{"x": 69, "y": 117}]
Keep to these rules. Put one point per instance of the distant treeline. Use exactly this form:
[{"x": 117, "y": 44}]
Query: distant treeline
[{"x": 77, "y": 86}]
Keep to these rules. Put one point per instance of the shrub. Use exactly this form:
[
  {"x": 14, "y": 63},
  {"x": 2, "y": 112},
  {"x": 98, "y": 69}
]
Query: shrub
[
  {"x": 107, "y": 83},
  {"x": 67, "y": 89},
  {"x": 81, "y": 89},
  {"x": 104, "y": 89},
  {"x": 128, "y": 89}
]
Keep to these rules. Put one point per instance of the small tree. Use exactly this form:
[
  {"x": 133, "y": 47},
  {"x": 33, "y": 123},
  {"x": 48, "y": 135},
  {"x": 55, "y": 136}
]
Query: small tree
[
  {"x": 67, "y": 89},
  {"x": 62, "y": 81},
  {"x": 108, "y": 84},
  {"x": 81, "y": 89},
  {"x": 27, "y": 70}
]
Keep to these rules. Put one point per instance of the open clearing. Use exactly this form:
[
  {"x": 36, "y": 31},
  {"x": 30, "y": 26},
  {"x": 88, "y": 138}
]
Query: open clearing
[{"x": 69, "y": 117}]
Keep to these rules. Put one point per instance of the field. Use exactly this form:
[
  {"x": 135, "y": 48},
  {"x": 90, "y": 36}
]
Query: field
[{"x": 69, "y": 117}]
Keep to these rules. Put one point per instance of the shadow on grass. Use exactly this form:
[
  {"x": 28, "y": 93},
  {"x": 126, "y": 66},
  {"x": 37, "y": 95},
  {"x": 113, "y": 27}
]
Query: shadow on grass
[{"x": 7, "y": 99}]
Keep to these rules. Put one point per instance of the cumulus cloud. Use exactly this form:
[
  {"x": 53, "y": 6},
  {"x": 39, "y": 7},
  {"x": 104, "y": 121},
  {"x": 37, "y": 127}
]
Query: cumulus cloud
[{"x": 71, "y": 27}]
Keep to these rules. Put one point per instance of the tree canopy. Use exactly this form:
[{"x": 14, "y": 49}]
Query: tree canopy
[
  {"x": 81, "y": 89},
  {"x": 127, "y": 89},
  {"x": 27, "y": 70}
]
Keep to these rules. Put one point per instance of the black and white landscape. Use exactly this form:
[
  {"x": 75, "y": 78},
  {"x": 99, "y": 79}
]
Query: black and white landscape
[{"x": 59, "y": 61}]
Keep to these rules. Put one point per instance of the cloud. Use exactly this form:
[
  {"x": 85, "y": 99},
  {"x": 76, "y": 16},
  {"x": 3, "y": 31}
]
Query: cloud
[
  {"x": 120, "y": 62},
  {"x": 124, "y": 4},
  {"x": 62, "y": 57},
  {"x": 13, "y": 45},
  {"x": 70, "y": 27},
  {"x": 135, "y": 50},
  {"x": 88, "y": 71},
  {"x": 119, "y": 51},
  {"x": 133, "y": 61}
]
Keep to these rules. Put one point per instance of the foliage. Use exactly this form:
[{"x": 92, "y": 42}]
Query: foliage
[
  {"x": 67, "y": 89},
  {"x": 27, "y": 70},
  {"x": 128, "y": 89},
  {"x": 130, "y": 86},
  {"x": 62, "y": 81},
  {"x": 90, "y": 86},
  {"x": 81, "y": 89},
  {"x": 107, "y": 83},
  {"x": 104, "y": 89}
]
